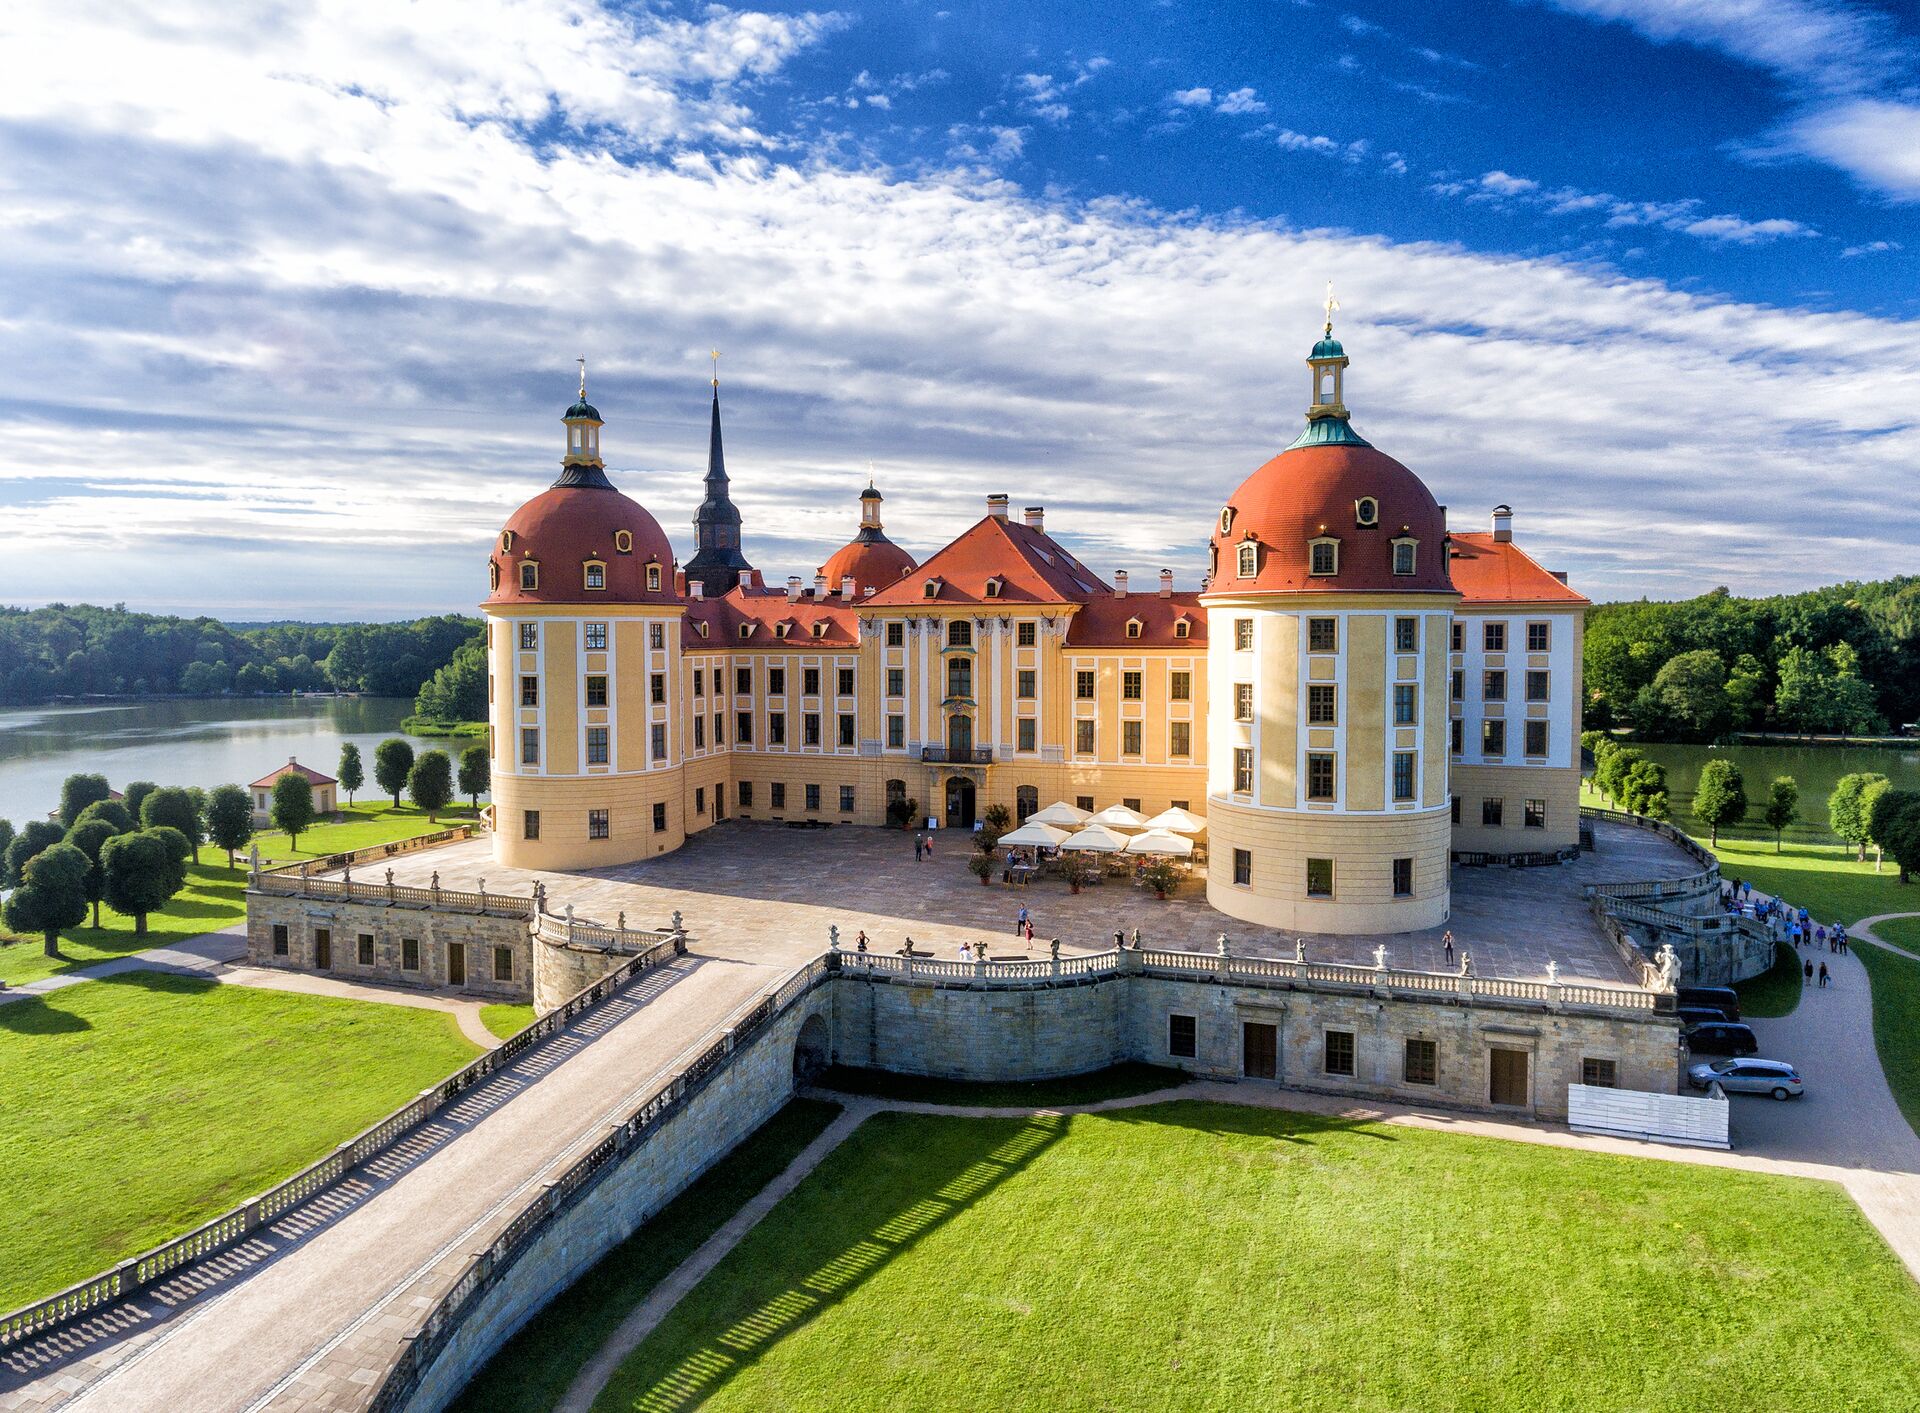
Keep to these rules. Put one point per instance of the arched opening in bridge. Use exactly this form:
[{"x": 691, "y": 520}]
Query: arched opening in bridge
[{"x": 811, "y": 1051}]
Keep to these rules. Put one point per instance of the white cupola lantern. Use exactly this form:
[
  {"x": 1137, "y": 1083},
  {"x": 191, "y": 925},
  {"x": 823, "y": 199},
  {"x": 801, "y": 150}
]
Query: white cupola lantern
[{"x": 1328, "y": 362}]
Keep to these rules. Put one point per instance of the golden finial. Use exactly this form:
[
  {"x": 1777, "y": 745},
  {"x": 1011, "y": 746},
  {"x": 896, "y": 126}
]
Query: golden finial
[
  {"x": 583, "y": 378},
  {"x": 716, "y": 367},
  {"x": 1332, "y": 304}
]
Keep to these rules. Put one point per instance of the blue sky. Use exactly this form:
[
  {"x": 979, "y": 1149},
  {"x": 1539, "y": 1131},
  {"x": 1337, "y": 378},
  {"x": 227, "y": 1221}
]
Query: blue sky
[{"x": 290, "y": 293}]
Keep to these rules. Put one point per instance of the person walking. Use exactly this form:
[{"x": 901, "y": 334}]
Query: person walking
[
  {"x": 1808, "y": 980},
  {"x": 1446, "y": 948},
  {"x": 1020, "y": 921},
  {"x": 928, "y": 855},
  {"x": 1027, "y": 927},
  {"x": 916, "y": 848},
  {"x": 1823, "y": 976}
]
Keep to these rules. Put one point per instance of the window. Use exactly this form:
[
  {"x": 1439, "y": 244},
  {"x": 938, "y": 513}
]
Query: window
[
  {"x": 1338, "y": 1052},
  {"x": 1459, "y": 684},
  {"x": 746, "y": 794},
  {"x": 1534, "y": 814},
  {"x": 1180, "y": 686},
  {"x": 1405, "y": 703},
  {"x": 699, "y": 734},
  {"x": 1129, "y": 738},
  {"x": 656, "y": 636},
  {"x": 719, "y": 730},
  {"x": 1083, "y": 738},
  {"x": 1406, "y": 635},
  {"x": 896, "y": 634},
  {"x": 810, "y": 729},
  {"x": 659, "y": 740},
  {"x": 844, "y": 681},
  {"x": 1023, "y": 635},
  {"x": 1180, "y": 738},
  {"x": 779, "y": 795},
  {"x": 743, "y": 680},
  {"x": 846, "y": 799},
  {"x": 597, "y": 744},
  {"x": 1243, "y": 635},
  {"x": 623, "y": 541},
  {"x": 1243, "y": 770},
  {"x": 530, "y": 824},
  {"x": 959, "y": 634},
  {"x": 1366, "y": 511},
  {"x": 1536, "y": 738},
  {"x": 410, "y": 954},
  {"x": 1422, "y": 1063},
  {"x": 1083, "y": 686},
  {"x": 1403, "y": 775},
  {"x": 366, "y": 949},
  {"x": 1320, "y": 704},
  {"x": 1024, "y": 684},
  {"x": 1129, "y": 686},
  {"x": 657, "y": 688},
  {"x": 1180, "y": 1037},
  {"x": 700, "y": 799},
  {"x": 1459, "y": 636},
  {"x": 1490, "y": 812},
  {"x": 776, "y": 728},
  {"x": 596, "y": 824},
  {"x": 1322, "y": 635},
  {"x": 1602, "y": 1074},
  {"x": 503, "y": 964},
  {"x": 1083, "y": 802},
  {"x": 1455, "y": 809},
  {"x": 809, "y": 681},
  {"x": 596, "y": 637},
  {"x": 1403, "y": 878},
  {"x": 896, "y": 681},
  {"x": 1319, "y": 777},
  {"x": 1243, "y": 867},
  {"x": 529, "y": 691},
  {"x": 1493, "y": 637},
  {"x": 846, "y": 729},
  {"x": 1493, "y": 737},
  {"x": 1028, "y": 734},
  {"x": 529, "y": 574},
  {"x": 1133, "y": 627},
  {"x": 1538, "y": 685},
  {"x": 743, "y": 728},
  {"x": 1323, "y": 557},
  {"x": 1403, "y": 556},
  {"x": 493, "y": 575},
  {"x": 529, "y": 745},
  {"x": 813, "y": 799},
  {"x": 1457, "y": 735},
  {"x": 896, "y": 732},
  {"x": 280, "y": 939},
  {"x": 596, "y": 691},
  {"x": 1182, "y": 628},
  {"x": 1249, "y": 560},
  {"x": 700, "y": 680},
  {"x": 660, "y": 819},
  {"x": 1493, "y": 685},
  {"x": 597, "y": 575},
  {"x": 776, "y": 681},
  {"x": 1226, "y": 520},
  {"x": 529, "y": 637},
  {"x": 1539, "y": 637}
]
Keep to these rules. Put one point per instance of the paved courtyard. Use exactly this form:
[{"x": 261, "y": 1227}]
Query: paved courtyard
[{"x": 765, "y": 891}]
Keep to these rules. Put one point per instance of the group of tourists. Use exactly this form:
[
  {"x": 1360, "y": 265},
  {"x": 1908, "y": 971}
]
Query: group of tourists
[{"x": 1791, "y": 924}]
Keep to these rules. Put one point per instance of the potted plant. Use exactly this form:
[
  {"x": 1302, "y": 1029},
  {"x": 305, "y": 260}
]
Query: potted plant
[
  {"x": 1078, "y": 869},
  {"x": 994, "y": 821},
  {"x": 1162, "y": 875},
  {"x": 901, "y": 813},
  {"x": 981, "y": 865}
]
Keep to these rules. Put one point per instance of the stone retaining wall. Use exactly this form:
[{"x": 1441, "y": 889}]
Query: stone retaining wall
[{"x": 391, "y": 925}]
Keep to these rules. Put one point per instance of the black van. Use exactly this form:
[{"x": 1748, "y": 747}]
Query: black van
[
  {"x": 1721, "y": 998},
  {"x": 1721, "y": 1038}
]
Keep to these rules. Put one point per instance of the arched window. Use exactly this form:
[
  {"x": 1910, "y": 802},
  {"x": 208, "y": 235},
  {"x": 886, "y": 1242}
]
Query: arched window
[
  {"x": 529, "y": 574},
  {"x": 493, "y": 574},
  {"x": 993, "y": 588},
  {"x": 1182, "y": 629},
  {"x": 1133, "y": 627},
  {"x": 1404, "y": 553},
  {"x": 653, "y": 578},
  {"x": 596, "y": 574},
  {"x": 1323, "y": 557},
  {"x": 933, "y": 588},
  {"x": 1026, "y": 801},
  {"x": 1249, "y": 560}
]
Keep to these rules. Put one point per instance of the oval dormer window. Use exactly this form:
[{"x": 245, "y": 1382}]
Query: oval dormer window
[
  {"x": 1366, "y": 511},
  {"x": 623, "y": 541},
  {"x": 506, "y": 540}
]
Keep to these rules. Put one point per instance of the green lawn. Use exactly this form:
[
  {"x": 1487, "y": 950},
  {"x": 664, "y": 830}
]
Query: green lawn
[
  {"x": 531, "y": 1373},
  {"x": 1901, "y": 932},
  {"x": 1896, "y": 1003},
  {"x": 1114, "y": 1082},
  {"x": 505, "y": 1020},
  {"x": 1195, "y": 1256},
  {"x": 361, "y": 826},
  {"x": 1776, "y": 991},
  {"x": 135, "y": 1107}
]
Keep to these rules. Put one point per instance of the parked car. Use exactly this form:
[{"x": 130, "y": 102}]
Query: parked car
[
  {"x": 1749, "y": 1076},
  {"x": 1701, "y": 1015},
  {"x": 1721, "y": 1038},
  {"x": 1720, "y": 998}
]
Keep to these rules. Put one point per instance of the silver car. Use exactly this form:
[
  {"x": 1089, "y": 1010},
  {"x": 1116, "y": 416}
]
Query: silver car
[{"x": 1749, "y": 1076}]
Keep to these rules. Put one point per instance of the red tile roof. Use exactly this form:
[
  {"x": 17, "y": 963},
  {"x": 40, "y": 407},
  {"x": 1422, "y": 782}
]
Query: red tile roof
[
  {"x": 1486, "y": 570},
  {"x": 1032, "y": 568},
  {"x": 766, "y": 610},
  {"x": 1102, "y": 622},
  {"x": 565, "y": 526},
  {"x": 293, "y": 767}
]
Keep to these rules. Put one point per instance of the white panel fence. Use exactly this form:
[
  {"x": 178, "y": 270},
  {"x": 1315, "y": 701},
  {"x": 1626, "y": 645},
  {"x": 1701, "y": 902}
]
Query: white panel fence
[{"x": 1658, "y": 1118}]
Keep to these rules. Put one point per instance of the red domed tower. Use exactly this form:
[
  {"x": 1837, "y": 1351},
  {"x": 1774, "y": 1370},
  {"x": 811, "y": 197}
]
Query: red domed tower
[{"x": 870, "y": 559}]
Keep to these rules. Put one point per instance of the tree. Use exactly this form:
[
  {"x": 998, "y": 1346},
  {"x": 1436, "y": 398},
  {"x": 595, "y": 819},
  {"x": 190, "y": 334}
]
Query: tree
[
  {"x": 430, "y": 782},
  {"x": 142, "y": 874},
  {"x": 1870, "y": 797},
  {"x": 1903, "y": 841},
  {"x": 88, "y": 836},
  {"x": 1746, "y": 693},
  {"x": 1846, "y": 816},
  {"x": 136, "y": 795},
  {"x": 113, "y": 812},
  {"x": 476, "y": 774},
  {"x": 173, "y": 807},
  {"x": 34, "y": 836},
  {"x": 352, "y": 777},
  {"x": 392, "y": 764},
  {"x": 1614, "y": 769},
  {"x": 230, "y": 819},
  {"x": 1640, "y": 785},
  {"x": 52, "y": 894},
  {"x": 292, "y": 809},
  {"x": 1892, "y": 814},
  {"x": 1690, "y": 691},
  {"x": 1720, "y": 799},
  {"x": 994, "y": 821},
  {"x": 6, "y": 838},
  {"x": 1783, "y": 806},
  {"x": 79, "y": 791},
  {"x": 458, "y": 691}
]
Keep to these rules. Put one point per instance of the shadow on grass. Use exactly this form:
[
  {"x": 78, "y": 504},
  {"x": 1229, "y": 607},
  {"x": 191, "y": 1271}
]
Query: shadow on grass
[
  {"x": 32, "y": 1015},
  {"x": 1114, "y": 1082}
]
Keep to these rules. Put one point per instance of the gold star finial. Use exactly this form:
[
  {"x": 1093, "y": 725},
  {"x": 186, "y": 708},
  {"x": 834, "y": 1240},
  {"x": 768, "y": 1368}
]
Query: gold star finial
[
  {"x": 716, "y": 367},
  {"x": 583, "y": 378},
  {"x": 1332, "y": 304}
]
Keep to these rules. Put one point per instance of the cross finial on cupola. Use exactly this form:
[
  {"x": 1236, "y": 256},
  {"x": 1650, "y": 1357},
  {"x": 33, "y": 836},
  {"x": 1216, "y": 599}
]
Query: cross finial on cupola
[
  {"x": 583, "y": 374},
  {"x": 1327, "y": 360},
  {"x": 583, "y": 432},
  {"x": 1332, "y": 304}
]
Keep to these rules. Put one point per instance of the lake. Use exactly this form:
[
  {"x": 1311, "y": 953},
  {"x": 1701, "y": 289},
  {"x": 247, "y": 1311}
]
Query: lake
[
  {"x": 1815, "y": 769},
  {"x": 182, "y": 742}
]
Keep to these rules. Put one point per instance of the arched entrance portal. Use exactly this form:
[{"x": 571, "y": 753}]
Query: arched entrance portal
[
  {"x": 811, "y": 1051},
  {"x": 959, "y": 803}
]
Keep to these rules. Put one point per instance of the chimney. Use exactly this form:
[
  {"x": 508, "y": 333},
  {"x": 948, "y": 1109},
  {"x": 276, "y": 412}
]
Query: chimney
[
  {"x": 819, "y": 586},
  {"x": 1119, "y": 583},
  {"x": 1559, "y": 574},
  {"x": 793, "y": 588},
  {"x": 997, "y": 506},
  {"x": 697, "y": 590},
  {"x": 1036, "y": 517},
  {"x": 1502, "y": 524},
  {"x": 1166, "y": 583},
  {"x": 846, "y": 588}
]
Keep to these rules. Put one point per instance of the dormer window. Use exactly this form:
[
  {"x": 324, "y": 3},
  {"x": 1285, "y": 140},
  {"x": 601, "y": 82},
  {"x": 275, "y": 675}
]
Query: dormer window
[
  {"x": 1366, "y": 511},
  {"x": 653, "y": 578},
  {"x": 596, "y": 574},
  {"x": 780, "y": 630},
  {"x": 1405, "y": 552},
  {"x": 493, "y": 574},
  {"x": 506, "y": 541},
  {"x": 529, "y": 574},
  {"x": 820, "y": 630},
  {"x": 746, "y": 630},
  {"x": 993, "y": 588},
  {"x": 1182, "y": 628},
  {"x": 1249, "y": 559},
  {"x": 1226, "y": 520},
  {"x": 1133, "y": 627},
  {"x": 932, "y": 588},
  {"x": 701, "y": 628},
  {"x": 623, "y": 541},
  {"x": 1323, "y": 557}
]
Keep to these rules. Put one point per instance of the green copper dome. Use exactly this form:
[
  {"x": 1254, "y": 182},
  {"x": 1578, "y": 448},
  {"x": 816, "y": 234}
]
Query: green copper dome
[
  {"x": 582, "y": 408},
  {"x": 1328, "y": 347},
  {"x": 1329, "y": 431}
]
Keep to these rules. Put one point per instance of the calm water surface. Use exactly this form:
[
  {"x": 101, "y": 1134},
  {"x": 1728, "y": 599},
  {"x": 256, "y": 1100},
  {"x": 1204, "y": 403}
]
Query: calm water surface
[
  {"x": 203, "y": 743},
  {"x": 1815, "y": 769}
]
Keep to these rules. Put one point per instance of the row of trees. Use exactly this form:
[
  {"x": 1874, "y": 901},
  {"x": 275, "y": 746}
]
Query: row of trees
[
  {"x": 1845, "y": 658},
  {"x": 429, "y": 779},
  {"x": 72, "y": 650}
]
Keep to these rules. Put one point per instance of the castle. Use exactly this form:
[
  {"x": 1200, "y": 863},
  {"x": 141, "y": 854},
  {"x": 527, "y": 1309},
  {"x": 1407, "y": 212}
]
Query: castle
[{"x": 1355, "y": 696}]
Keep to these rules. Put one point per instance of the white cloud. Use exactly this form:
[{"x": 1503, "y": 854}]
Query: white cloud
[
  {"x": 1504, "y": 189},
  {"x": 1290, "y": 141},
  {"x": 1876, "y": 140},
  {"x": 1872, "y": 247},
  {"x": 1193, "y": 97},
  {"x": 1505, "y": 185},
  {"x": 1241, "y": 100},
  {"x": 1042, "y": 93},
  {"x": 1236, "y": 102}
]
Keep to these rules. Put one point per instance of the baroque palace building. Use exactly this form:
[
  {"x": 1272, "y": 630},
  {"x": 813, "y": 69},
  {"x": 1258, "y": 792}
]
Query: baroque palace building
[{"x": 1355, "y": 697}]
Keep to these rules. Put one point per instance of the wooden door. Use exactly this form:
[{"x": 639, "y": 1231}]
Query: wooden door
[
  {"x": 1260, "y": 1049},
  {"x": 323, "y": 948},
  {"x": 1507, "y": 1084},
  {"x": 456, "y": 964}
]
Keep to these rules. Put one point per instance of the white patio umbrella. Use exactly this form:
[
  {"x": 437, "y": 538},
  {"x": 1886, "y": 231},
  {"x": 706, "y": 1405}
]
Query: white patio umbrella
[
  {"x": 1061, "y": 813},
  {"x": 1035, "y": 835},
  {"x": 1095, "y": 839},
  {"x": 1159, "y": 841},
  {"x": 1119, "y": 817},
  {"x": 1178, "y": 821}
]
